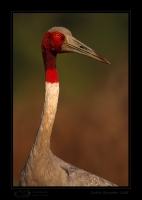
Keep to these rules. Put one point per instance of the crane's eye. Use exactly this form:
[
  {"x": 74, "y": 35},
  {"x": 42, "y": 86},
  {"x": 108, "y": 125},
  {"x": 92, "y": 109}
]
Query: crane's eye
[{"x": 58, "y": 35}]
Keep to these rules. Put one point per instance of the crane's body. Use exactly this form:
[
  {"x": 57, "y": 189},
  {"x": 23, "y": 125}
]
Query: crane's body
[{"x": 43, "y": 168}]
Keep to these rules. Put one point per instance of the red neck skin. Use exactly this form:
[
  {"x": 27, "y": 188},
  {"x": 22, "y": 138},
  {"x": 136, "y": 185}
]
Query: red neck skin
[{"x": 51, "y": 74}]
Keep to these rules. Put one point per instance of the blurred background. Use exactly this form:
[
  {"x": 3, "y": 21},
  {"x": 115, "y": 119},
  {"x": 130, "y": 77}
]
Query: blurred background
[{"x": 91, "y": 125}]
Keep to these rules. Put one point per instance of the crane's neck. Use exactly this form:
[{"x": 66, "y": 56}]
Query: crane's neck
[
  {"x": 42, "y": 142},
  {"x": 51, "y": 75}
]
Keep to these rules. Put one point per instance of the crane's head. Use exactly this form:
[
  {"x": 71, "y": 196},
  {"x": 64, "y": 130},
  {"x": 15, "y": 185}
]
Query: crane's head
[{"x": 60, "y": 40}]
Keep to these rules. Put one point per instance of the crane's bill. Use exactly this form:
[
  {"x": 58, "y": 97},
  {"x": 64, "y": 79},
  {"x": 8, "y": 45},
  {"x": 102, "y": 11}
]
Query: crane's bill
[{"x": 71, "y": 44}]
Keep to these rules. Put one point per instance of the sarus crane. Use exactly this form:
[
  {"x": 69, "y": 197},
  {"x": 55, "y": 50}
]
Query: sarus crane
[{"x": 42, "y": 167}]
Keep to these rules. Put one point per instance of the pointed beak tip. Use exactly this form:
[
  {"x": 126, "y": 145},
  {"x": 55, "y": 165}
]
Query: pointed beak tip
[{"x": 108, "y": 62}]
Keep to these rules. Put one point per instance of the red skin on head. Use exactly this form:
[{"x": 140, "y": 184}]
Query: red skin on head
[{"x": 51, "y": 45}]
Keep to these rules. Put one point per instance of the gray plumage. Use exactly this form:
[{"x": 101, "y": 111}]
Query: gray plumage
[{"x": 60, "y": 173}]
